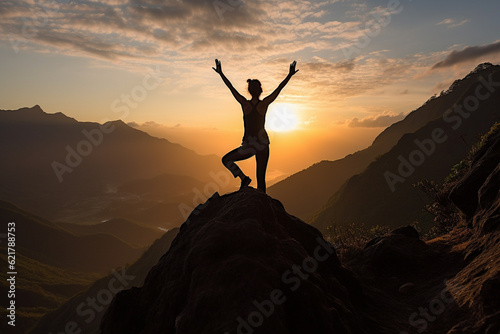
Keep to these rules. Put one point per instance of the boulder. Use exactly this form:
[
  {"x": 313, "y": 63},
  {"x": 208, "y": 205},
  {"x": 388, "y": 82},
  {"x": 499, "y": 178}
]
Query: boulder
[{"x": 399, "y": 252}]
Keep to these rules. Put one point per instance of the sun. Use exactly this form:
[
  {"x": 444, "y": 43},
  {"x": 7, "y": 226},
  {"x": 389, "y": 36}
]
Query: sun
[{"x": 282, "y": 117}]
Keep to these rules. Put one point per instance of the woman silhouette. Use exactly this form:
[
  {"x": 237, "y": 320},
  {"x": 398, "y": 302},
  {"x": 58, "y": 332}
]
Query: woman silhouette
[{"x": 255, "y": 139}]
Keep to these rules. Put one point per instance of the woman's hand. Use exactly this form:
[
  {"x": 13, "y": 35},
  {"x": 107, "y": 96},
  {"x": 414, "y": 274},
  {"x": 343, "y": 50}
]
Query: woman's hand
[
  {"x": 218, "y": 66},
  {"x": 292, "y": 68}
]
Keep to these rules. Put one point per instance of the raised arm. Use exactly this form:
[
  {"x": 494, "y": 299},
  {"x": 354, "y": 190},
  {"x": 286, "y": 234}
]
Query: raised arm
[
  {"x": 269, "y": 99},
  {"x": 237, "y": 96}
]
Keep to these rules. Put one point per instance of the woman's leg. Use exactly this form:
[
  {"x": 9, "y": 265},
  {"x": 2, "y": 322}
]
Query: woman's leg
[
  {"x": 262, "y": 157},
  {"x": 240, "y": 153}
]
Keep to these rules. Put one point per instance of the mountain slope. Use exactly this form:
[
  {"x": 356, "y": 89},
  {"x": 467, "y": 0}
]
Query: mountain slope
[
  {"x": 319, "y": 182},
  {"x": 154, "y": 214},
  {"x": 44, "y": 241},
  {"x": 84, "y": 315},
  {"x": 56, "y": 161},
  {"x": 384, "y": 194}
]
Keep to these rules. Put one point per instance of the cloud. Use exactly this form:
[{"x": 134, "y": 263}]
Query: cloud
[
  {"x": 341, "y": 80},
  {"x": 188, "y": 34},
  {"x": 343, "y": 66},
  {"x": 78, "y": 42},
  {"x": 375, "y": 121},
  {"x": 468, "y": 54},
  {"x": 452, "y": 23},
  {"x": 133, "y": 124},
  {"x": 117, "y": 30},
  {"x": 152, "y": 124}
]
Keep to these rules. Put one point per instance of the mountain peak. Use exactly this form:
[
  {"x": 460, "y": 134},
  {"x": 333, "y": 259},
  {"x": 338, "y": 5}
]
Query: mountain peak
[
  {"x": 35, "y": 110},
  {"x": 118, "y": 122},
  {"x": 34, "y": 114},
  {"x": 37, "y": 107},
  {"x": 253, "y": 266}
]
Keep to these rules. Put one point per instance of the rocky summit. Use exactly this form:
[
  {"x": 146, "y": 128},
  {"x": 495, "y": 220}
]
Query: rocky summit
[{"x": 242, "y": 264}]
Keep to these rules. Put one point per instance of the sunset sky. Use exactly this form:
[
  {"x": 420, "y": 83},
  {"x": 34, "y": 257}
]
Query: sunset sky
[{"x": 363, "y": 65}]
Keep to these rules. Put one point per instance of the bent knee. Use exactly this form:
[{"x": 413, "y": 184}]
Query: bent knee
[{"x": 225, "y": 160}]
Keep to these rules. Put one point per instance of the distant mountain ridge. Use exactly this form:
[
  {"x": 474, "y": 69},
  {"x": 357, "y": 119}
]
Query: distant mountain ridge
[
  {"x": 317, "y": 183},
  {"x": 132, "y": 233},
  {"x": 54, "y": 161}
]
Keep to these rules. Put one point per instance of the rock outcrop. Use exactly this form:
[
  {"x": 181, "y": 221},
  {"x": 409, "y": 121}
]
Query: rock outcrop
[
  {"x": 478, "y": 284},
  {"x": 399, "y": 252},
  {"x": 241, "y": 264}
]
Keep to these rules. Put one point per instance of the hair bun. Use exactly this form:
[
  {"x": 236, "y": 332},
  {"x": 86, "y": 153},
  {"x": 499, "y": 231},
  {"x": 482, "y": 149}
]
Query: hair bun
[{"x": 249, "y": 80}]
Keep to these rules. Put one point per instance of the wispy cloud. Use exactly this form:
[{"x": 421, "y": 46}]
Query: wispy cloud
[
  {"x": 452, "y": 23},
  {"x": 468, "y": 54},
  {"x": 340, "y": 67},
  {"x": 377, "y": 121}
]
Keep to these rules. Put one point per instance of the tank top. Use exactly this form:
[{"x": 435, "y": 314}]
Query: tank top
[{"x": 254, "y": 127}]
